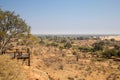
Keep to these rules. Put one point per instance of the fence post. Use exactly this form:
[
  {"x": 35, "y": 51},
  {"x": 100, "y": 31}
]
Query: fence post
[
  {"x": 14, "y": 55},
  {"x": 28, "y": 51}
]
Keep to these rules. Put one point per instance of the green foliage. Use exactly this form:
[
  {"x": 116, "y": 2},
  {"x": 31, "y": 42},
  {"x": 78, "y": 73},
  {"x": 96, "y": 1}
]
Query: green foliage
[
  {"x": 98, "y": 59},
  {"x": 54, "y": 44},
  {"x": 61, "y": 47},
  {"x": 109, "y": 53},
  {"x": 41, "y": 41},
  {"x": 112, "y": 40},
  {"x": 68, "y": 45},
  {"x": 10, "y": 69},
  {"x": 85, "y": 49},
  {"x": 31, "y": 40},
  {"x": 107, "y": 48},
  {"x": 63, "y": 40},
  {"x": 116, "y": 46},
  {"x": 11, "y": 27},
  {"x": 98, "y": 46},
  {"x": 118, "y": 54}
]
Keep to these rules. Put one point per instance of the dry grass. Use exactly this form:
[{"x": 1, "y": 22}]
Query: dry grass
[
  {"x": 10, "y": 69},
  {"x": 50, "y": 60},
  {"x": 48, "y": 63}
]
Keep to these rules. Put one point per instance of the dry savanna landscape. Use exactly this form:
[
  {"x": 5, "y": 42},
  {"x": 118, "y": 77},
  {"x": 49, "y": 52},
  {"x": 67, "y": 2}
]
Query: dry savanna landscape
[
  {"x": 60, "y": 40},
  {"x": 70, "y": 58},
  {"x": 63, "y": 57}
]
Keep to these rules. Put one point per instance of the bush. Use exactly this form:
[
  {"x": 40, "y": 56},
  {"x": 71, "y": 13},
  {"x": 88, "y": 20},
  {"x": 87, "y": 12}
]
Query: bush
[
  {"x": 70, "y": 78},
  {"x": 116, "y": 46},
  {"x": 109, "y": 53},
  {"x": 68, "y": 45},
  {"x": 85, "y": 49},
  {"x": 118, "y": 53},
  {"x": 98, "y": 45},
  {"x": 98, "y": 59},
  {"x": 42, "y": 42},
  {"x": 54, "y": 44},
  {"x": 10, "y": 69}
]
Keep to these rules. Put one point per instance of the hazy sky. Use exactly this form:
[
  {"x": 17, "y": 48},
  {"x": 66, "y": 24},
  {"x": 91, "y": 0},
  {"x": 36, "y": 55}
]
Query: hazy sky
[{"x": 68, "y": 16}]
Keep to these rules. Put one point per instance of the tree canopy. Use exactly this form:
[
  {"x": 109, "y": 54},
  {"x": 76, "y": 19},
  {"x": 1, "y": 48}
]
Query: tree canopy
[{"x": 11, "y": 26}]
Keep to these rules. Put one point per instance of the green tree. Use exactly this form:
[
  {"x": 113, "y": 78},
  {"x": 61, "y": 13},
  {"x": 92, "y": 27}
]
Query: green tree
[
  {"x": 11, "y": 27},
  {"x": 118, "y": 53},
  {"x": 98, "y": 45},
  {"x": 109, "y": 53},
  {"x": 68, "y": 45}
]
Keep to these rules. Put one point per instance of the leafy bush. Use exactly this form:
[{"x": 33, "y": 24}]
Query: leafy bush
[
  {"x": 109, "y": 53},
  {"x": 118, "y": 53},
  {"x": 11, "y": 28},
  {"x": 98, "y": 59},
  {"x": 98, "y": 45},
  {"x": 68, "y": 45},
  {"x": 42, "y": 42},
  {"x": 116, "y": 46},
  {"x": 52, "y": 44},
  {"x": 85, "y": 49}
]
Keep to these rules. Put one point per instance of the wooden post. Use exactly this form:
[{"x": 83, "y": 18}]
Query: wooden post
[
  {"x": 14, "y": 55},
  {"x": 17, "y": 51},
  {"x": 28, "y": 51},
  {"x": 77, "y": 57}
]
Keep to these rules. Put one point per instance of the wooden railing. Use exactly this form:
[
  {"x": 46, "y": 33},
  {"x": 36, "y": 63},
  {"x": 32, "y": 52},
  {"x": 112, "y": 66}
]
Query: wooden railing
[{"x": 23, "y": 54}]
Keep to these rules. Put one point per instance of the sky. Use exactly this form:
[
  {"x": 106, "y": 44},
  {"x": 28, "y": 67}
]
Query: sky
[{"x": 68, "y": 16}]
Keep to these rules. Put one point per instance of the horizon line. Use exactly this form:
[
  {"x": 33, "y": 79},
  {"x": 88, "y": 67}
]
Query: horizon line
[{"x": 77, "y": 34}]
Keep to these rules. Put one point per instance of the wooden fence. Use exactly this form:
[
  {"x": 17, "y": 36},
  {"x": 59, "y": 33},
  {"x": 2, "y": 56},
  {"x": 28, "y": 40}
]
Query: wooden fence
[{"x": 23, "y": 54}]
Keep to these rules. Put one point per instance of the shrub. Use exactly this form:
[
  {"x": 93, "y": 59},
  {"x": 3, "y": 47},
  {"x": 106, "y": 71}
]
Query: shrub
[
  {"x": 42, "y": 42},
  {"x": 54, "y": 44},
  {"x": 109, "y": 53},
  {"x": 98, "y": 45},
  {"x": 112, "y": 39},
  {"x": 98, "y": 59},
  {"x": 85, "y": 49},
  {"x": 68, "y": 45},
  {"x": 70, "y": 78},
  {"x": 118, "y": 53},
  {"x": 116, "y": 46}
]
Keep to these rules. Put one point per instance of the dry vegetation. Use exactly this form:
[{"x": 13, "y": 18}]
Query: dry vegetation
[
  {"x": 10, "y": 69},
  {"x": 76, "y": 62},
  {"x": 60, "y": 57},
  {"x": 66, "y": 58}
]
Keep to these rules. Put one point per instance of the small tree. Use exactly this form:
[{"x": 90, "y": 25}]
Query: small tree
[
  {"x": 68, "y": 45},
  {"x": 98, "y": 45},
  {"x": 118, "y": 53},
  {"x": 11, "y": 27},
  {"x": 109, "y": 53}
]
